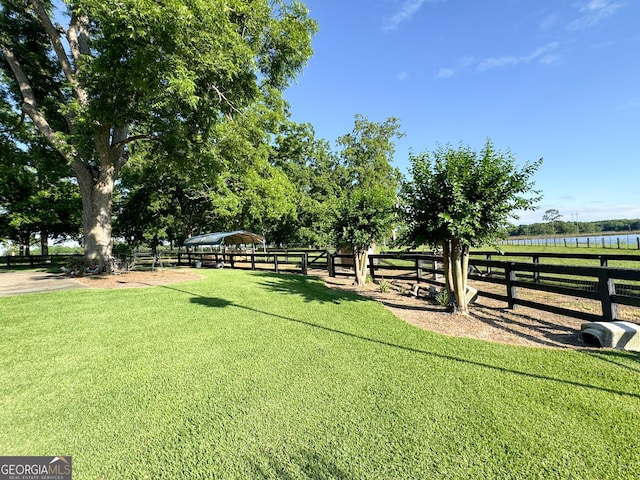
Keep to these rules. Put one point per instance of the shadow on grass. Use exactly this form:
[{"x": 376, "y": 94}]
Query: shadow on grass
[
  {"x": 617, "y": 358},
  {"x": 311, "y": 289},
  {"x": 558, "y": 335},
  {"x": 311, "y": 464},
  {"x": 213, "y": 302}
]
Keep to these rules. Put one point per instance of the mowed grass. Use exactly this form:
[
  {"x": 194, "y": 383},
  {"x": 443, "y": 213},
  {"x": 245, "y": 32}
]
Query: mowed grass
[{"x": 249, "y": 375}]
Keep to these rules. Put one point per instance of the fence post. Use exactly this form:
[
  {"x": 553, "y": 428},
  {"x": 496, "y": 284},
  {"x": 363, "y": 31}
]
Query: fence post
[
  {"x": 372, "y": 269},
  {"x": 275, "y": 262},
  {"x": 418, "y": 270},
  {"x": 512, "y": 290},
  {"x": 489, "y": 267},
  {"x": 638, "y": 242},
  {"x": 604, "y": 262},
  {"x": 607, "y": 287},
  {"x": 536, "y": 274},
  {"x": 305, "y": 262},
  {"x": 253, "y": 261},
  {"x": 330, "y": 264}
]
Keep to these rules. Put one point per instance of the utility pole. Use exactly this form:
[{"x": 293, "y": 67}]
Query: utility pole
[{"x": 576, "y": 221}]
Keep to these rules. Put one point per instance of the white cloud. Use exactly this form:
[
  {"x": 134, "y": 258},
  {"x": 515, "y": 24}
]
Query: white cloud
[
  {"x": 549, "y": 21},
  {"x": 593, "y": 12},
  {"x": 542, "y": 55},
  {"x": 404, "y": 13},
  {"x": 402, "y": 76},
  {"x": 445, "y": 73}
]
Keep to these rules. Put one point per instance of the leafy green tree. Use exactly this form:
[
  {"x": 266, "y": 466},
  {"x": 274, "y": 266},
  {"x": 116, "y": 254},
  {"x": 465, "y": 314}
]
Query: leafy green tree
[
  {"x": 317, "y": 179},
  {"x": 552, "y": 216},
  {"x": 458, "y": 198},
  {"x": 229, "y": 185},
  {"x": 365, "y": 213},
  {"x": 120, "y": 72},
  {"x": 363, "y": 217},
  {"x": 37, "y": 195}
]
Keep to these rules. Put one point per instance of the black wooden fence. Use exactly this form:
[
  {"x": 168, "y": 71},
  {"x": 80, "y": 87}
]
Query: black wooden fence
[
  {"x": 609, "y": 286},
  {"x": 606, "y": 285},
  {"x": 31, "y": 261}
]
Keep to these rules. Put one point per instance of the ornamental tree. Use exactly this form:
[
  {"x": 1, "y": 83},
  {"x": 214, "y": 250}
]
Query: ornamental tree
[
  {"x": 365, "y": 212},
  {"x": 120, "y": 72},
  {"x": 458, "y": 198}
]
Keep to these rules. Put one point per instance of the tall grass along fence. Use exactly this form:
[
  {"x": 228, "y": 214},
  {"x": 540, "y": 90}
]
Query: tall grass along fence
[{"x": 606, "y": 285}]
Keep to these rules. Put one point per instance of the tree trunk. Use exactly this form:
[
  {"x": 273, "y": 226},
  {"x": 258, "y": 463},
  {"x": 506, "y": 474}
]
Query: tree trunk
[
  {"x": 97, "y": 198},
  {"x": 360, "y": 266},
  {"x": 446, "y": 265},
  {"x": 44, "y": 242},
  {"x": 459, "y": 277}
]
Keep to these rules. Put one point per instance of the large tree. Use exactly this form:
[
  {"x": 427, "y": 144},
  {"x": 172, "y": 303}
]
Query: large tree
[
  {"x": 365, "y": 213},
  {"x": 122, "y": 71},
  {"x": 37, "y": 195},
  {"x": 457, "y": 198},
  {"x": 318, "y": 180}
]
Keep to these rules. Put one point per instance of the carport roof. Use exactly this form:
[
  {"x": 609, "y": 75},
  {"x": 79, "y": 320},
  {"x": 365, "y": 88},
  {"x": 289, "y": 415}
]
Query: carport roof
[{"x": 239, "y": 237}]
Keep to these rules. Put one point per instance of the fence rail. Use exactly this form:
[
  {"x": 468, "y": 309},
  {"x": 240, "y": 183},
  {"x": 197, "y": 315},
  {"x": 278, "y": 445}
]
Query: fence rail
[
  {"x": 278, "y": 261},
  {"x": 32, "y": 261},
  {"x": 608, "y": 286}
]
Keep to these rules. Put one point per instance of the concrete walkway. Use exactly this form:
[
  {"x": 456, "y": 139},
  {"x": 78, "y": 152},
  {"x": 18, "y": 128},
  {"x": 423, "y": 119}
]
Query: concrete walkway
[{"x": 29, "y": 281}]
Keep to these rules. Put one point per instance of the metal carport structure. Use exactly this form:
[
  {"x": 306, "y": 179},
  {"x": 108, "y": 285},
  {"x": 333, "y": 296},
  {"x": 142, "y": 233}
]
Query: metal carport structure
[{"x": 222, "y": 239}]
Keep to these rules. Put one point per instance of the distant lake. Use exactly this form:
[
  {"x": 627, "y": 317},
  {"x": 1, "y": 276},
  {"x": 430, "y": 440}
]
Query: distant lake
[{"x": 615, "y": 240}]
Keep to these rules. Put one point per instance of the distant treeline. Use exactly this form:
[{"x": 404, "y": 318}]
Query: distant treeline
[{"x": 574, "y": 228}]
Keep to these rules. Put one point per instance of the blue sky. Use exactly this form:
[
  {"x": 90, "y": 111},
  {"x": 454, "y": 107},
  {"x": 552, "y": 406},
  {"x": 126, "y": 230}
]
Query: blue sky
[{"x": 552, "y": 79}]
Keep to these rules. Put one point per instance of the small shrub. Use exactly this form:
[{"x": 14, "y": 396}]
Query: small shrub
[
  {"x": 77, "y": 266},
  {"x": 442, "y": 297},
  {"x": 384, "y": 286}
]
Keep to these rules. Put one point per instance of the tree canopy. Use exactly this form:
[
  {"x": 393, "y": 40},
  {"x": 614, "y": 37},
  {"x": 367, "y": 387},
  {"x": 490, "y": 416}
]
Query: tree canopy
[
  {"x": 117, "y": 73},
  {"x": 457, "y": 198},
  {"x": 365, "y": 212}
]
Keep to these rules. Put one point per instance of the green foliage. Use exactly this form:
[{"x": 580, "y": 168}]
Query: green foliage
[
  {"x": 384, "y": 286},
  {"x": 133, "y": 71},
  {"x": 288, "y": 379},
  {"x": 463, "y": 194},
  {"x": 570, "y": 227},
  {"x": 367, "y": 154},
  {"x": 317, "y": 180},
  {"x": 363, "y": 217},
  {"x": 459, "y": 198},
  {"x": 442, "y": 297}
]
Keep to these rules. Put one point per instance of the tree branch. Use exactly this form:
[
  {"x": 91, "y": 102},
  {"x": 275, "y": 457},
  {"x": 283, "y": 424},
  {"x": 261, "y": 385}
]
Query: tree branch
[
  {"x": 54, "y": 38},
  {"x": 79, "y": 45},
  {"x": 30, "y": 107}
]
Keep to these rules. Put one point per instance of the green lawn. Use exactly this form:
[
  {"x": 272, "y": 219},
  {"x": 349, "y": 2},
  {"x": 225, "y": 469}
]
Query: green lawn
[{"x": 254, "y": 375}]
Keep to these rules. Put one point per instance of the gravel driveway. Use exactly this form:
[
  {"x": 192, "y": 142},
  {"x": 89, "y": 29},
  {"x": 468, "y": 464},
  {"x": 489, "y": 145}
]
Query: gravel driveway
[{"x": 29, "y": 281}]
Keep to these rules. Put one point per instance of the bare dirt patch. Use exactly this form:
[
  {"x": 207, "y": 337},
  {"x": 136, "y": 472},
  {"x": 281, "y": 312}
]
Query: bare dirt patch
[
  {"x": 139, "y": 278},
  {"x": 489, "y": 319}
]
